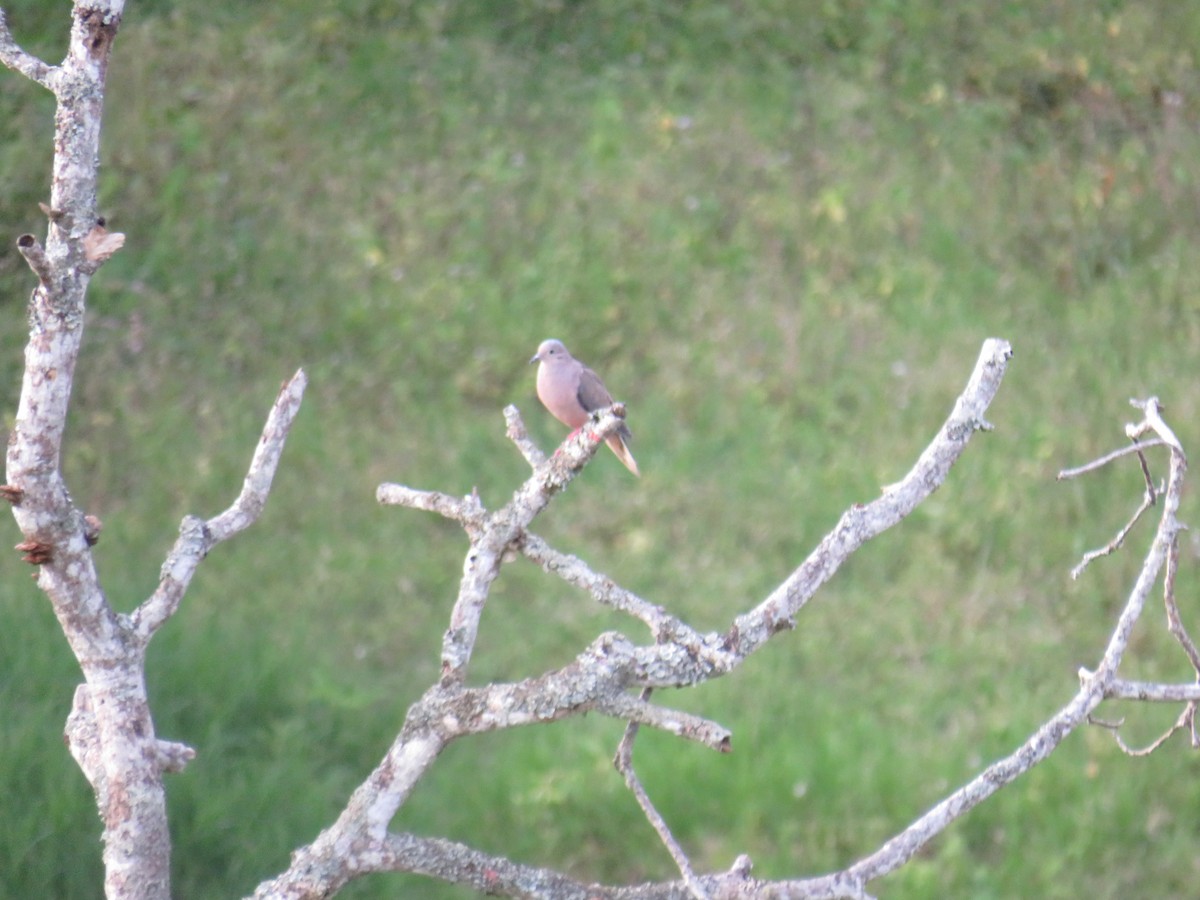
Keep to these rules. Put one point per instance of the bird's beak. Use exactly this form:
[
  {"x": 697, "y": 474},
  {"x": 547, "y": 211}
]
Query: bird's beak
[{"x": 534, "y": 359}]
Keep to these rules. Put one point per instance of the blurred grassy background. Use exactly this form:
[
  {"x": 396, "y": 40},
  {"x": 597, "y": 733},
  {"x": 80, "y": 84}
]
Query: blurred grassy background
[{"x": 782, "y": 231}]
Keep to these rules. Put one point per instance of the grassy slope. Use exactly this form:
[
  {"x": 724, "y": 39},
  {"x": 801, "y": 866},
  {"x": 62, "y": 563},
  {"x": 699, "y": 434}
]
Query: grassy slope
[{"x": 782, "y": 233}]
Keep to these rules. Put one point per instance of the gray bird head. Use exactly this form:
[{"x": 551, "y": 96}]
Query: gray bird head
[{"x": 551, "y": 351}]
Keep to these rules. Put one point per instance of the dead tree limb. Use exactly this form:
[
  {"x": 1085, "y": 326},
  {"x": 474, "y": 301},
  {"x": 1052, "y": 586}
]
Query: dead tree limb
[
  {"x": 614, "y": 667},
  {"x": 110, "y": 731},
  {"x": 606, "y": 676}
]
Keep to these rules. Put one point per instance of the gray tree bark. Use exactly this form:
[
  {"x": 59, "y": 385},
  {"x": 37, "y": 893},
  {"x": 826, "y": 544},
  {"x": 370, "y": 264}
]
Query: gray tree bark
[{"x": 110, "y": 730}]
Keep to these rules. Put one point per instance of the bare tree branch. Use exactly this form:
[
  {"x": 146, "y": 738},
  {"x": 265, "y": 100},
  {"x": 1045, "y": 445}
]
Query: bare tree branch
[
  {"x": 673, "y": 721},
  {"x": 1148, "y": 500},
  {"x": 467, "y": 511},
  {"x": 21, "y": 61},
  {"x": 573, "y": 570},
  {"x": 109, "y": 731},
  {"x": 488, "y": 548},
  {"x": 197, "y": 537},
  {"x": 1185, "y": 720},
  {"x": 1174, "y": 620},
  {"x": 623, "y": 761},
  {"x": 863, "y": 522},
  {"x": 455, "y": 863},
  {"x": 1095, "y": 464},
  {"x": 518, "y": 435},
  {"x": 602, "y": 676},
  {"x": 1094, "y": 688},
  {"x": 1148, "y": 691},
  {"x": 126, "y": 770}
]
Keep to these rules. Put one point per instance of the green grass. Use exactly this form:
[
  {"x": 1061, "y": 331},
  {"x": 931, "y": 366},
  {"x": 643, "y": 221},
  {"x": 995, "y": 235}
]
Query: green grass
[{"x": 781, "y": 231}]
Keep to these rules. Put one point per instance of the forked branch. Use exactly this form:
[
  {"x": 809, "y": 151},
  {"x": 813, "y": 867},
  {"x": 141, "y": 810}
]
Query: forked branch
[
  {"x": 110, "y": 731},
  {"x": 197, "y": 537},
  {"x": 605, "y": 677}
]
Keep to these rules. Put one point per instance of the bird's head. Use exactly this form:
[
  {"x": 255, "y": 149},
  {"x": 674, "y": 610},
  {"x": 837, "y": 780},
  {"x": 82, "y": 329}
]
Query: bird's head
[{"x": 550, "y": 351}]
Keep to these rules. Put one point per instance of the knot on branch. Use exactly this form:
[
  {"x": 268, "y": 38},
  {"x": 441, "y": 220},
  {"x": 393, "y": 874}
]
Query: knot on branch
[
  {"x": 82, "y": 736},
  {"x": 742, "y": 867},
  {"x": 101, "y": 26},
  {"x": 173, "y": 756},
  {"x": 56, "y": 216},
  {"x": 618, "y": 410}
]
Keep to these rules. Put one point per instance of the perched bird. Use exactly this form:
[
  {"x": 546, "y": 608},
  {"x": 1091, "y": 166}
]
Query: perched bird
[{"x": 571, "y": 391}]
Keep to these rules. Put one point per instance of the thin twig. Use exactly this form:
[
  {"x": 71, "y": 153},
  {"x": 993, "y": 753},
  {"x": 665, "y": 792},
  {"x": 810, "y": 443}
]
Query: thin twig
[
  {"x": 575, "y": 571},
  {"x": 23, "y": 61},
  {"x": 1148, "y": 691},
  {"x": 518, "y": 435},
  {"x": 624, "y": 764},
  {"x": 1107, "y": 458},
  {"x": 1151, "y": 492},
  {"x": 1114, "y": 728},
  {"x": 1148, "y": 500},
  {"x": 1174, "y": 622},
  {"x": 674, "y": 721},
  {"x": 467, "y": 510}
]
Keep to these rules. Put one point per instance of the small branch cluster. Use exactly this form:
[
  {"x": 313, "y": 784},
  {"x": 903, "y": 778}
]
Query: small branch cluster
[
  {"x": 1164, "y": 555},
  {"x": 198, "y": 536},
  {"x": 613, "y": 676}
]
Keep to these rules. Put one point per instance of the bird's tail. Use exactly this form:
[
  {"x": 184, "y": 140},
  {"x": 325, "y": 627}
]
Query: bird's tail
[{"x": 619, "y": 447}]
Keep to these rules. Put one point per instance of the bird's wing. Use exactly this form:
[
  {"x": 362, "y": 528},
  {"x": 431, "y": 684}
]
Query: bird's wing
[{"x": 592, "y": 393}]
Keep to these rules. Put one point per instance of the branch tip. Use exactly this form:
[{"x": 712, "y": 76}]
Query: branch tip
[
  {"x": 173, "y": 756},
  {"x": 198, "y": 536},
  {"x": 35, "y": 255},
  {"x": 742, "y": 866},
  {"x": 20, "y": 60},
  {"x": 515, "y": 432}
]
